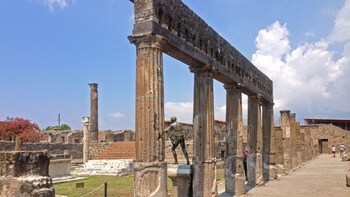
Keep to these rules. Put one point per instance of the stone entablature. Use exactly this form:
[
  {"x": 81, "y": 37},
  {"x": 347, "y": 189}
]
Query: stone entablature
[{"x": 187, "y": 37}]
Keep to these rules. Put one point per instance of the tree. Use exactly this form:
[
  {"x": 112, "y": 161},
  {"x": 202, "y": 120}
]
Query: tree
[
  {"x": 63, "y": 127},
  {"x": 12, "y": 127}
]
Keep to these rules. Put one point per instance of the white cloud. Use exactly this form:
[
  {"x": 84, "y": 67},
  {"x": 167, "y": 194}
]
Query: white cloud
[
  {"x": 183, "y": 111},
  {"x": 56, "y": 3},
  {"x": 309, "y": 79},
  {"x": 341, "y": 30},
  {"x": 309, "y": 34},
  {"x": 117, "y": 115},
  {"x": 272, "y": 45}
]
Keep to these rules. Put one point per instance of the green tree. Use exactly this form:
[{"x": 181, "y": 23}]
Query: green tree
[{"x": 65, "y": 127}]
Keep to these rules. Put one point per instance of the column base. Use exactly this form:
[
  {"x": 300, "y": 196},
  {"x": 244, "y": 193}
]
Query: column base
[
  {"x": 234, "y": 175},
  {"x": 150, "y": 179},
  {"x": 204, "y": 179},
  {"x": 269, "y": 172}
]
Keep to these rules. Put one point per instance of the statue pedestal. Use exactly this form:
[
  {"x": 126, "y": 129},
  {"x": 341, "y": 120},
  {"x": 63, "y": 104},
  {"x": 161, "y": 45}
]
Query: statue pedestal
[{"x": 181, "y": 178}]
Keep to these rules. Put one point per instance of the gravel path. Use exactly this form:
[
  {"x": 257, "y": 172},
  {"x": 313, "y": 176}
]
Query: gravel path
[{"x": 323, "y": 176}]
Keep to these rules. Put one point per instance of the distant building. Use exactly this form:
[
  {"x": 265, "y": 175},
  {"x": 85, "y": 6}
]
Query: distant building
[{"x": 342, "y": 123}]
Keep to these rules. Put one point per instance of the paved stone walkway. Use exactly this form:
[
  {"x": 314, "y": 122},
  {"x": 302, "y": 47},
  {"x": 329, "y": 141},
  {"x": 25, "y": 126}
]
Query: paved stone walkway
[{"x": 323, "y": 176}]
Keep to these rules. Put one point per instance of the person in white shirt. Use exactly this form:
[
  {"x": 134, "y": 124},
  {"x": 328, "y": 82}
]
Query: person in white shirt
[
  {"x": 333, "y": 150},
  {"x": 341, "y": 150}
]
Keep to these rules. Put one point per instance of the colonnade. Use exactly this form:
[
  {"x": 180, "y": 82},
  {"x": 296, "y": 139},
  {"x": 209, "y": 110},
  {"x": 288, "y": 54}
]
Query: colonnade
[{"x": 150, "y": 168}]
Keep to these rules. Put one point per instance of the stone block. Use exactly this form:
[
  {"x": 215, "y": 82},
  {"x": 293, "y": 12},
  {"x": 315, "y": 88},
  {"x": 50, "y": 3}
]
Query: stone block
[
  {"x": 23, "y": 163},
  {"x": 181, "y": 178},
  {"x": 25, "y": 174},
  {"x": 345, "y": 158},
  {"x": 59, "y": 167}
]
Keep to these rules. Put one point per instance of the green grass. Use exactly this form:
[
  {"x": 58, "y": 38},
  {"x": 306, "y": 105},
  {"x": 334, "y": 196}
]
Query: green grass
[{"x": 116, "y": 186}]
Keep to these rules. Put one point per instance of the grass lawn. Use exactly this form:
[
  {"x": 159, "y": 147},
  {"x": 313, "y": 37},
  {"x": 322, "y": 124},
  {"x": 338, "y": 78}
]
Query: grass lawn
[{"x": 116, "y": 186}]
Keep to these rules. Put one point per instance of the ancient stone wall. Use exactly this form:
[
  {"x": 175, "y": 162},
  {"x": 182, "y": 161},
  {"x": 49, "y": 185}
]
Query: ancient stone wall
[
  {"x": 76, "y": 150},
  {"x": 335, "y": 135}
]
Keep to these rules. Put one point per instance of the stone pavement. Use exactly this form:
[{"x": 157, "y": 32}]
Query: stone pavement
[{"x": 323, "y": 176}]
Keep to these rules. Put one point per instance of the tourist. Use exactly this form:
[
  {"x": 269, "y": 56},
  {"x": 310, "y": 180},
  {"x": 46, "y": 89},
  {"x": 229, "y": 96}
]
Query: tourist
[
  {"x": 341, "y": 150},
  {"x": 333, "y": 150},
  {"x": 177, "y": 137},
  {"x": 245, "y": 157}
]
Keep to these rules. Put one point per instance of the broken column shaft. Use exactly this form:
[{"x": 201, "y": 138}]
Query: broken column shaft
[{"x": 94, "y": 112}]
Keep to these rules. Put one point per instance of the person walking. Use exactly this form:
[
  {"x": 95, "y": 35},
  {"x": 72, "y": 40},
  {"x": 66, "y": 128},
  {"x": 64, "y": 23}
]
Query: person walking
[
  {"x": 333, "y": 150},
  {"x": 245, "y": 157},
  {"x": 341, "y": 150}
]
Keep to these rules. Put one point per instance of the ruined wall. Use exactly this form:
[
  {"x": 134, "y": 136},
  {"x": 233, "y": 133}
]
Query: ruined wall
[
  {"x": 76, "y": 150},
  {"x": 334, "y": 134},
  {"x": 25, "y": 173}
]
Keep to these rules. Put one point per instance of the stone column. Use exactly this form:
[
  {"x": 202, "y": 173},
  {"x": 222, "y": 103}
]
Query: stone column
[
  {"x": 285, "y": 125},
  {"x": 94, "y": 112},
  {"x": 204, "y": 162},
  {"x": 150, "y": 169},
  {"x": 86, "y": 139},
  {"x": 293, "y": 140},
  {"x": 252, "y": 140},
  {"x": 279, "y": 151},
  {"x": 269, "y": 143},
  {"x": 234, "y": 172}
]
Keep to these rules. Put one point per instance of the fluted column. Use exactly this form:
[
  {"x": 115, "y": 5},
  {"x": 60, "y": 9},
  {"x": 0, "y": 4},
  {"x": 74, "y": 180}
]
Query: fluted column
[
  {"x": 204, "y": 162},
  {"x": 253, "y": 136},
  {"x": 93, "y": 112},
  {"x": 234, "y": 172},
  {"x": 86, "y": 139},
  {"x": 150, "y": 168},
  {"x": 269, "y": 143}
]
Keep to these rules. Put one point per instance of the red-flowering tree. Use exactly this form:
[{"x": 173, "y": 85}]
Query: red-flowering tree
[{"x": 12, "y": 127}]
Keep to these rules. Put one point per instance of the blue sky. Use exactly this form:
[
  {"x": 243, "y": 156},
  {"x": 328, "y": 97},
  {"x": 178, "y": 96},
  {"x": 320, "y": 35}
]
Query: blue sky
[{"x": 51, "y": 49}]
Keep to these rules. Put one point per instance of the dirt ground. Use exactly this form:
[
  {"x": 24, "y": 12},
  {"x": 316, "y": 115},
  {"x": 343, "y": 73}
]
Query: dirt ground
[{"x": 323, "y": 176}]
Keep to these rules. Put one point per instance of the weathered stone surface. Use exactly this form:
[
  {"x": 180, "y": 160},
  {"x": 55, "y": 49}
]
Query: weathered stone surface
[
  {"x": 21, "y": 163},
  {"x": 347, "y": 180},
  {"x": 190, "y": 39},
  {"x": 181, "y": 178},
  {"x": 94, "y": 112},
  {"x": 29, "y": 186},
  {"x": 59, "y": 167},
  {"x": 76, "y": 150},
  {"x": 25, "y": 174},
  {"x": 106, "y": 167},
  {"x": 150, "y": 179}
]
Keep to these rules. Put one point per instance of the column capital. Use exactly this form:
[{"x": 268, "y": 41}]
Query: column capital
[
  {"x": 267, "y": 104},
  {"x": 256, "y": 97},
  {"x": 233, "y": 86},
  {"x": 207, "y": 69},
  {"x": 93, "y": 86},
  {"x": 147, "y": 40}
]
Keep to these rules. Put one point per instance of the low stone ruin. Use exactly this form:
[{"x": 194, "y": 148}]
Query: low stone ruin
[{"x": 25, "y": 174}]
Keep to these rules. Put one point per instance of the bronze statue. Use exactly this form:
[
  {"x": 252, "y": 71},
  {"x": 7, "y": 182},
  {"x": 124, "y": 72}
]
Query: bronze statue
[{"x": 177, "y": 137}]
